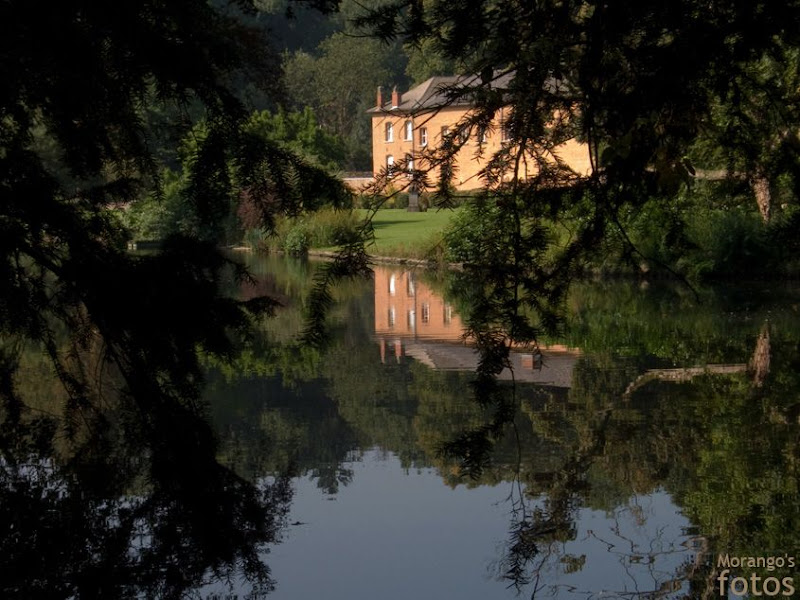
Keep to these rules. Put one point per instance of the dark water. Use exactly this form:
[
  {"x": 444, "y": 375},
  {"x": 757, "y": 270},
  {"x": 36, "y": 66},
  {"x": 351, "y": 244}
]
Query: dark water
[
  {"x": 659, "y": 432},
  {"x": 656, "y": 435}
]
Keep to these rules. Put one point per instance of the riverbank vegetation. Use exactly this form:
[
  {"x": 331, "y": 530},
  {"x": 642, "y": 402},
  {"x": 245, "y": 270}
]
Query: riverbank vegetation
[
  {"x": 695, "y": 185},
  {"x": 195, "y": 121}
]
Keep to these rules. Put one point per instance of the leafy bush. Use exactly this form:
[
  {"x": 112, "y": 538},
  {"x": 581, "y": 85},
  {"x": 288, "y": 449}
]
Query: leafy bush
[
  {"x": 330, "y": 227},
  {"x": 297, "y": 240},
  {"x": 153, "y": 218},
  {"x": 729, "y": 244},
  {"x": 469, "y": 232},
  {"x": 325, "y": 228},
  {"x": 707, "y": 240},
  {"x": 148, "y": 219}
]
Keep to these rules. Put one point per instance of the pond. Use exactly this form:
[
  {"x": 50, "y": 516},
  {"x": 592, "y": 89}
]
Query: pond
[
  {"x": 650, "y": 450},
  {"x": 657, "y": 436}
]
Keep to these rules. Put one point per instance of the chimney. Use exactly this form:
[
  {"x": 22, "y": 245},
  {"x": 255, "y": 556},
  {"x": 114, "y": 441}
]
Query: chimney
[
  {"x": 395, "y": 97},
  {"x": 380, "y": 97}
]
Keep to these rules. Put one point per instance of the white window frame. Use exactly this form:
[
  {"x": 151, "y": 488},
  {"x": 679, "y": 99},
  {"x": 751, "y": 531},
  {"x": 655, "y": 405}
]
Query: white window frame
[
  {"x": 423, "y": 136},
  {"x": 388, "y": 132},
  {"x": 408, "y": 131},
  {"x": 390, "y": 164},
  {"x": 447, "y": 314},
  {"x": 505, "y": 132},
  {"x": 426, "y": 312}
]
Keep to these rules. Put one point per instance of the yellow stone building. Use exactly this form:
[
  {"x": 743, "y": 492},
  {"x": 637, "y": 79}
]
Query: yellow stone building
[{"x": 405, "y": 126}]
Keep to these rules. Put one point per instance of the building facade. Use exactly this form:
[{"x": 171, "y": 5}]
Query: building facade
[{"x": 406, "y": 126}]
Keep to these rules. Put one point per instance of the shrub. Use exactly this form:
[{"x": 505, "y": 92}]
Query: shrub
[
  {"x": 329, "y": 227},
  {"x": 256, "y": 238},
  {"x": 297, "y": 240},
  {"x": 469, "y": 232},
  {"x": 322, "y": 229},
  {"x": 147, "y": 219},
  {"x": 731, "y": 243}
]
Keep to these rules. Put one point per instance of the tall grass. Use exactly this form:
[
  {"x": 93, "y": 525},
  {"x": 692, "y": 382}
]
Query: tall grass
[{"x": 325, "y": 228}]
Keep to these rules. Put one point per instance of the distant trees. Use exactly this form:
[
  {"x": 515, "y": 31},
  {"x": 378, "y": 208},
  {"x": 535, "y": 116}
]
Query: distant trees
[
  {"x": 752, "y": 132},
  {"x": 640, "y": 85},
  {"x": 424, "y": 62},
  {"x": 299, "y": 132},
  {"x": 339, "y": 84},
  {"x": 170, "y": 210}
]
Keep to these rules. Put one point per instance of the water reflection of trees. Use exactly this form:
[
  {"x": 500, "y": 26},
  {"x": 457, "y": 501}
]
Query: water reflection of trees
[
  {"x": 724, "y": 446},
  {"x": 104, "y": 499}
]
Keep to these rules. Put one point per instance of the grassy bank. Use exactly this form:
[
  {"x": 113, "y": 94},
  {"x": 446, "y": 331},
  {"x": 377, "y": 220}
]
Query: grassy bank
[
  {"x": 398, "y": 233},
  {"x": 697, "y": 243},
  {"x": 406, "y": 234}
]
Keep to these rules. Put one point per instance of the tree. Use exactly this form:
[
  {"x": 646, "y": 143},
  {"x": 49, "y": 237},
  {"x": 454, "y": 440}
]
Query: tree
[
  {"x": 424, "y": 62},
  {"x": 752, "y": 133},
  {"x": 60, "y": 246},
  {"x": 172, "y": 210},
  {"x": 123, "y": 332},
  {"x": 340, "y": 86},
  {"x": 300, "y": 132},
  {"x": 638, "y": 84}
]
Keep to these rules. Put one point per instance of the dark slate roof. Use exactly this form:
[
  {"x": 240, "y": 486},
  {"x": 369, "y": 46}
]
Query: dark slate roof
[{"x": 436, "y": 92}]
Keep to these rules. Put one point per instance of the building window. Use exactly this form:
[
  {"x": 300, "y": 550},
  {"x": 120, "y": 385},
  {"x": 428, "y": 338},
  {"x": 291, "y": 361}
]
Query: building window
[
  {"x": 409, "y": 163},
  {"x": 463, "y": 134},
  {"x": 412, "y": 319},
  {"x": 445, "y": 132},
  {"x": 411, "y": 288},
  {"x": 505, "y": 132},
  {"x": 390, "y": 164},
  {"x": 448, "y": 314},
  {"x": 483, "y": 134},
  {"x": 423, "y": 136},
  {"x": 392, "y": 285},
  {"x": 408, "y": 131},
  {"x": 389, "y": 131},
  {"x": 392, "y": 315},
  {"x": 426, "y": 312}
]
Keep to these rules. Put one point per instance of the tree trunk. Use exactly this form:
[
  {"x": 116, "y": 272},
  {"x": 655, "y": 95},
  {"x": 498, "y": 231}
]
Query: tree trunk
[
  {"x": 759, "y": 183},
  {"x": 759, "y": 364}
]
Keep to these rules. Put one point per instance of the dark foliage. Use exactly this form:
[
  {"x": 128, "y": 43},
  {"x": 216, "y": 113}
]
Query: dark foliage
[
  {"x": 124, "y": 332},
  {"x": 639, "y": 84},
  {"x": 139, "y": 508}
]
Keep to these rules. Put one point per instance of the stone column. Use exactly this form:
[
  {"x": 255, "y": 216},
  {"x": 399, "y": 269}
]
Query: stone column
[{"x": 413, "y": 198}]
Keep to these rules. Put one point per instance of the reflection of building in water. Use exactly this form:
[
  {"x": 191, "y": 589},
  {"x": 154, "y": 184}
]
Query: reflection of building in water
[
  {"x": 406, "y": 307},
  {"x": 413, "y": 320}
]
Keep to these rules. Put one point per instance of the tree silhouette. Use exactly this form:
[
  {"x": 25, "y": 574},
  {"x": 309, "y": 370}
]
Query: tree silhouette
[{"x": 118, "y": 492}]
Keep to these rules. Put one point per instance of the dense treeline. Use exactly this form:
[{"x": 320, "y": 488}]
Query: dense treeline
[
  {"x": 707, "y": 153},
  {"x": 324, "y": 79}
]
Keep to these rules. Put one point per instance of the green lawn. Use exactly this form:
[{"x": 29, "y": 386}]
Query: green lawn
[{"x": 406, "y": 234}]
